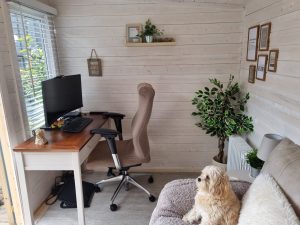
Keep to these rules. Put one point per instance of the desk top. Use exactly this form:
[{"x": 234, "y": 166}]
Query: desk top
[{"x": 59, "y": 141}]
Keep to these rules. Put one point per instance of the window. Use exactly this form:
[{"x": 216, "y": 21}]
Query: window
[{"x": 35, "y": 46}]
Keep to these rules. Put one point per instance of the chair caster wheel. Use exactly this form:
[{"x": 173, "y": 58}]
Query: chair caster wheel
[
  {"x": 150, "y": 180},
  {"x": 110, "y": 173},
  {"x": 97, "y": 189},
  {"x": 113, "y": 207},
  {"x": 152, "y": 198}
]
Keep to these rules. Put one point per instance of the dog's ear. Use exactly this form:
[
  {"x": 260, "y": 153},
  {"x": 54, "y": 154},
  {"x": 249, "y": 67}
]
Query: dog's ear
[{"x": 219, "y": 186}]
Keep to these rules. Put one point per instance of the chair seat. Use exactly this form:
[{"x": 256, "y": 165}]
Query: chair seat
[{"x": 101, "y": 156}]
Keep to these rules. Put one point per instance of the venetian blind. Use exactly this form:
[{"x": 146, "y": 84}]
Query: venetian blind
[{"x": 35, "y": 46}]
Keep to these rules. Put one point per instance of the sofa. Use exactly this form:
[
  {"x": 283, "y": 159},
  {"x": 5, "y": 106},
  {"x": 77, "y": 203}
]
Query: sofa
[{"x": 273, "y": 196}]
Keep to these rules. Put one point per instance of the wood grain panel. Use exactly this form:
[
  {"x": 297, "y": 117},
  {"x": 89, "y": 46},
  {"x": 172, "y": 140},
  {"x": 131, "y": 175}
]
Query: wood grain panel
[
  {"x": 181, "y": 40},
  {"x": 146, "y": 8},
  {"x": 170, "y": 29},
  {"x": 208, "y": 44},
  {"x": 40, "y": 183},
  {"x": 62, "y": 141},
  {"x": 95, "y": 21},
  {"x": 126, "y": 2},
  {"x": 275, "y": 103}
]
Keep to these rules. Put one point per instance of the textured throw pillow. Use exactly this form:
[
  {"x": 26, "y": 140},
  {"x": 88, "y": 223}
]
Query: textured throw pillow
[{"x": 265, "y": 204}]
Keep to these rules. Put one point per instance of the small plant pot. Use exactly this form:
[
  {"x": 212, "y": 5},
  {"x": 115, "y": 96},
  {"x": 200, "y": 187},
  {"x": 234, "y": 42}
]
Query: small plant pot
[
  {"x": 218, "y": 164},
  {"x": 149, "y": 39},
  {"x": 254, "y": 172}
]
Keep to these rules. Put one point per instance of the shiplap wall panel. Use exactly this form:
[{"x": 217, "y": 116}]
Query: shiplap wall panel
[
  {"x": 115, "y": 32},
  {"x": 118, "y": 21},
  {"x": 209, "y": 37},
  {"x": 275, "y": 104},
  {"x": 147, "y": 8},
  {"x": 125, "y": 2},
  {"x": 39, "y": 186},
  {"x": 7, "y": 73}
]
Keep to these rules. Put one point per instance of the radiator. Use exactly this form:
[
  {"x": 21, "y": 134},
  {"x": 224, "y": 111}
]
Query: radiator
[{"x": 237, "y": 149}]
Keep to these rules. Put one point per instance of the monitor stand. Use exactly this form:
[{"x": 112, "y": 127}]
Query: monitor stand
[
  {"x": 72, "y": 114},
  {"x": 49, "y": 128}
]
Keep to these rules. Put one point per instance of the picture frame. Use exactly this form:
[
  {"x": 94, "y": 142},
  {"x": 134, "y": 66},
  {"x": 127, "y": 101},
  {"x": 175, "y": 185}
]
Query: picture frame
[
  {"x": 252, "y": 43},
  {"x": 252, "y": 73},
  {"x": 132, "y": 30},
  {"x": 273, "y": 59},
  {"x": 94, "y": 65},
  {"x": 261, "y": 69},
  {"x": 264, "y": 40}
]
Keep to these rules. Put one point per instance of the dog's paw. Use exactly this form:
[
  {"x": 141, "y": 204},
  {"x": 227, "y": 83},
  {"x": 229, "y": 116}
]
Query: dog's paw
[{"x": 186, "y": 218}]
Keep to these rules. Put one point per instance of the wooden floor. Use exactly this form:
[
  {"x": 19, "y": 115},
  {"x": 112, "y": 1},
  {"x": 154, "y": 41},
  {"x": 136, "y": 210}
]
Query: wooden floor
[{"x": 135, "y": 208}]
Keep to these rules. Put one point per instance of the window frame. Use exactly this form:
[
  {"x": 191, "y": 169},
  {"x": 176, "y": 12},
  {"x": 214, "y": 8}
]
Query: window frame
[{"x": 49, "y": 51}]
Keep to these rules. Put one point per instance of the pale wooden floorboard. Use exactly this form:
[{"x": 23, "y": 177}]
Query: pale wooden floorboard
[{"x": 135, "y": 208}]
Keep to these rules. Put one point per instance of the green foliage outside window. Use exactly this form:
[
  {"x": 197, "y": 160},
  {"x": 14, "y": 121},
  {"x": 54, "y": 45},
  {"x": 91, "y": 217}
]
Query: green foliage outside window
[{"x": 33, "y": 70}]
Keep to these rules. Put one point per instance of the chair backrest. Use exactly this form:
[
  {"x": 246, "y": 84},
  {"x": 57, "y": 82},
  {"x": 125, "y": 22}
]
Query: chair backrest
[{"x": 140, "y": 122}]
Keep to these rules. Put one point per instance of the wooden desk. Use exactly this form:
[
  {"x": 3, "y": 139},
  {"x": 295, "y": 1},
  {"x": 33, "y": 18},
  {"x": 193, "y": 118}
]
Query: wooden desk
[{"x": 65, "y": 151}]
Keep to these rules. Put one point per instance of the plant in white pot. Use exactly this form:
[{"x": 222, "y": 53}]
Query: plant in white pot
[
  {"x": 149, "y": 31},
  {"x": 220, "y": 110},
  {"x": 255, "y": 163}
]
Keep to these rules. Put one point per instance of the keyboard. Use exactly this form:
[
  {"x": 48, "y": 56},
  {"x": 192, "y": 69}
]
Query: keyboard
[{"x": 77, "y": 124}]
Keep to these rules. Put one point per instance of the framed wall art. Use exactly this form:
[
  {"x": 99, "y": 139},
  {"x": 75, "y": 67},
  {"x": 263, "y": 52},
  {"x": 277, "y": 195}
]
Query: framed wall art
[
  {"x": 261, "y": 68},
  {"x": 273, "y": 59},
  {"x": 252, "y": 43},
  {"x": 132, "y": 30},
  {"x": 252, "y": 71},
  {"x": 94, "y": 64},
  {"x": 264, "y": 40}
]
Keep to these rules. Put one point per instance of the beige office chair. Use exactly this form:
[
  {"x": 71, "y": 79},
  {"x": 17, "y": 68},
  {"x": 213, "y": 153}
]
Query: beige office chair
[{"x": 124, "y": 154}]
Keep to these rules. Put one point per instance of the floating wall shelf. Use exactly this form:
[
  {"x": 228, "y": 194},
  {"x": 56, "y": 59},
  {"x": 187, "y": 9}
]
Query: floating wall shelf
[{"x": 150, "y": 44}]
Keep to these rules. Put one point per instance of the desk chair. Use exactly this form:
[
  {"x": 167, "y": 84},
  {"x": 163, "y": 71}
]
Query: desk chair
[{"x": 125, "y": 154}]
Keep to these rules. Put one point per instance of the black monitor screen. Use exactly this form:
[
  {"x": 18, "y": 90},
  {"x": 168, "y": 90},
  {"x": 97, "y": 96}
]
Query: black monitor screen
[{"x": 61, "y": 95}]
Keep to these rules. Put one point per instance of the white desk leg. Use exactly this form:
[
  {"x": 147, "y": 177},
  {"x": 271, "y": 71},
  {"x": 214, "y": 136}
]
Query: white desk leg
[
  {"x": 79, "y": 190},
  {"x": 27, "y": 213}
]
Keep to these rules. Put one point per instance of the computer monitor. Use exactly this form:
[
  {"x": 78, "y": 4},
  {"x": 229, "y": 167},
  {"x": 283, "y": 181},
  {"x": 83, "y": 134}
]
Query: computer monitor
[{"x": 61, "y": 95}]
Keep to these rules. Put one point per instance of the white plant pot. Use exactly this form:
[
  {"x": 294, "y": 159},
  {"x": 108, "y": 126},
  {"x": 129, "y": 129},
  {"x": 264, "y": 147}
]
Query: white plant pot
[
  {"x": 254, "y": 172},
  {"x": 218, "y": 164},
  {"x": 149, "y": 39}
]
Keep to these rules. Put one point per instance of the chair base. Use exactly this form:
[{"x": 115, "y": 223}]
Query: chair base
[{"x": 124, "y": 180}]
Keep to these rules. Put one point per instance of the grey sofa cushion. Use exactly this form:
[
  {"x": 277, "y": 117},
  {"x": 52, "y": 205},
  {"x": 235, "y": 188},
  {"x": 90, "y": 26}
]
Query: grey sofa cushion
[
  {"x": 177, "y": 198},
  {"x": 284, "y": 165}
]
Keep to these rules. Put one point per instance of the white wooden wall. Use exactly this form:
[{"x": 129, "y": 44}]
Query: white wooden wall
[
  {"x": 275, "y": 103},
  {"x": 39, "y": 186},
  {"x": 208, "y": 39},
  {"x": 11, "y": 131}
]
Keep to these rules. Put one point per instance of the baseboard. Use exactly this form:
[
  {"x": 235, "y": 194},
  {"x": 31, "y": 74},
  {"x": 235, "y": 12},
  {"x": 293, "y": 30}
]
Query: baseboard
[
  {"x": 40, "y": 212},
  {"x": 159, "y": 170}
]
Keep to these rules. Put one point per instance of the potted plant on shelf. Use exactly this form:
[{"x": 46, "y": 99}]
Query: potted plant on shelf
[
  {"x": 220, "y": 110},
  {"x": 255, "y": 163},
  {"x": 149, "y": 31}
]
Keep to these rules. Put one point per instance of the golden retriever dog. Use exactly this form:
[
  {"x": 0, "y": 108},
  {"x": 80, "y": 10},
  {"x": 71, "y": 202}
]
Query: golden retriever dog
[{"x": 215, "y": 201}]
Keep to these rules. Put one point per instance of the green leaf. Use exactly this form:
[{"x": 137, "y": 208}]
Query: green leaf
[{"x": 220, "y": 108}]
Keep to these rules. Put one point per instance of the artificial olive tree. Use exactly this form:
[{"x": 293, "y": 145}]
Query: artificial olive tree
[{"x": 220, "y": 110}]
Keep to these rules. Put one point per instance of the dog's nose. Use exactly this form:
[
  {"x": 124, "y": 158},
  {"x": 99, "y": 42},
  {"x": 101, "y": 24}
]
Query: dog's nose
[{"x": 199, "y": 179}]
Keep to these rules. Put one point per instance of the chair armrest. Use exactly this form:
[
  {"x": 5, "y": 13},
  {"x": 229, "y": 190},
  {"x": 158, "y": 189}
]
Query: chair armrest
[
  {"x": 110, "y": 136},
  {"x": 117, "y": 117},
  {"x": 114, "y": 115},
  {"x": 106, "y": 133}
]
